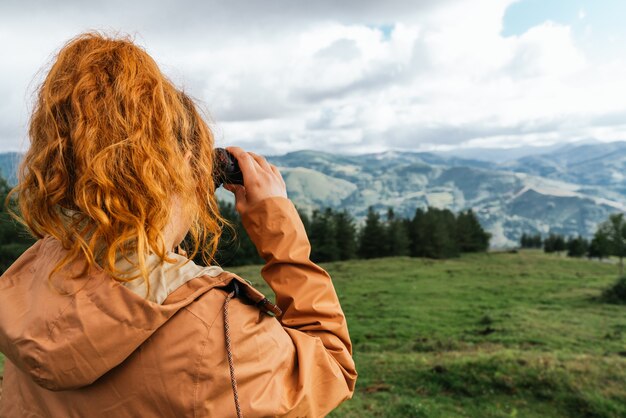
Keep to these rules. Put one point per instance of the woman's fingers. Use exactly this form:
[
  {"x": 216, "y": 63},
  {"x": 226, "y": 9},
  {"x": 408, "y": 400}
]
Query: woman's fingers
[
  {"x": 248, "y": 159},
  {"x": 260, "y": 160},
  {"x": 261, "y": 180},
  {"x": 247, "y": 164}
]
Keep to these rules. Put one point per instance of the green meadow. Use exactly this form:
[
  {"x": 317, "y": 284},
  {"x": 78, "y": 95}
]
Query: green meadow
[{"x": 484, "y": 335}]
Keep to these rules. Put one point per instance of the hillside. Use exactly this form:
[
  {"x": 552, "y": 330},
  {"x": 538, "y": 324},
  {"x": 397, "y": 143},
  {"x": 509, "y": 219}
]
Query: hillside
[
  {"x": 591, "y": 164},
  {"x": 509, "y": 198}
]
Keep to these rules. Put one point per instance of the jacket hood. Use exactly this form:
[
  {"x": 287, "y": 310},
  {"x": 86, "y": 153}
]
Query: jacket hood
[{"x": 66, "y": 333}]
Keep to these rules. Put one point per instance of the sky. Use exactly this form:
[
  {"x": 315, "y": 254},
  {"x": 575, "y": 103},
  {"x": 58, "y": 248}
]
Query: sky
[{"x": 352, "y": 76}]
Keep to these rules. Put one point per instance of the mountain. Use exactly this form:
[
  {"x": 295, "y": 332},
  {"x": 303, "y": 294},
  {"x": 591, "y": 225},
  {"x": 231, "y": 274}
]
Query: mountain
[
  {"x": 567, "y": 190},
  {"x": 594, "y": 165},
  {"x": 498, "y": 155}
]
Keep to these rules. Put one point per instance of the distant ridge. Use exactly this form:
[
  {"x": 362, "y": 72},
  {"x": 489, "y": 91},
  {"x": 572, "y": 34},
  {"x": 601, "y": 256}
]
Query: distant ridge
[{"x": 564, "y": 189}]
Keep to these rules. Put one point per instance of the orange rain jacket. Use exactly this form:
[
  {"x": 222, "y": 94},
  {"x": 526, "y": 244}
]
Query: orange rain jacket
[{"x": 102, "y": 350}]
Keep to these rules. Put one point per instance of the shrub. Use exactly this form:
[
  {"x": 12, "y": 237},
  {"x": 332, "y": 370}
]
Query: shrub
[{"x": 616, "y": 293}]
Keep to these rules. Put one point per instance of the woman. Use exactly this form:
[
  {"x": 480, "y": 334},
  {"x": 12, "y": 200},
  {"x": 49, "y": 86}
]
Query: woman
[{"x": 100, "y": 317}]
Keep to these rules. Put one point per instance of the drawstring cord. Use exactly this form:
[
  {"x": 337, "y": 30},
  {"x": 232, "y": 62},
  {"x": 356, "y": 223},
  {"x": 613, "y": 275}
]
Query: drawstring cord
[
  {"x": 233, "y": 381},
  {"x": 266, "y": 306}
]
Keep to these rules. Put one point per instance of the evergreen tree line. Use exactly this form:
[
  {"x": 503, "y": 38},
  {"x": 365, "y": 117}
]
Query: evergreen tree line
[
  {"x": 608, "y": 240},
  {"x": 576, "y": 246},
  {"x": 333, "y": 234},
  {"x": 531, "y": 241}
]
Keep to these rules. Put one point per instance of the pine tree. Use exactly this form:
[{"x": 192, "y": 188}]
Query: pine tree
[
  {"x": 577, "y": 246},
  {"x": 531, "y": 241},
  {"x": 554, "y": 243},
  {"x": 439, "y": 234},
  {"x": 559, "y": 244},
  {"x": 345, "y": 235},
  {"x": 615, "y": 230},
  {"x": 416, "y": 228},
  {"x": 323, "y": 237},
  {"x": 600, "y": 246},
  {"x": 548, "y": 243},
  {"x": 372, "y": 236},
  {"x": 396, "y": 234},
  {"x": 471, "y": 236},
  {"x": 524, "y": 241}
]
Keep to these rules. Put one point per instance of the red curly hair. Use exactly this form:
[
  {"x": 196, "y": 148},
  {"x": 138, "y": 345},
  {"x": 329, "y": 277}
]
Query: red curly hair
[{"x": 108, "y": 136}]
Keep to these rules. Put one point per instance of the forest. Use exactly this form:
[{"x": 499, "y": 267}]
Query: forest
[
  {"x": 334, "y": 235},
  {"x": 608, "y": 240}
]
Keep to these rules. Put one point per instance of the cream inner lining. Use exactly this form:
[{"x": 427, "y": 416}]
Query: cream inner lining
[{"x": 164, "y": 277}]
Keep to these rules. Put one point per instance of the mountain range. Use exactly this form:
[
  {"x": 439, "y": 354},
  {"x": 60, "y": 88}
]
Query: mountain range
[{"x": 566, "y": 190}]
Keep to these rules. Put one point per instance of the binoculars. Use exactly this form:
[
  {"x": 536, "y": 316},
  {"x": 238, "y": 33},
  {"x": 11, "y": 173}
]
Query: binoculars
[{"x": 226, "y": 168}]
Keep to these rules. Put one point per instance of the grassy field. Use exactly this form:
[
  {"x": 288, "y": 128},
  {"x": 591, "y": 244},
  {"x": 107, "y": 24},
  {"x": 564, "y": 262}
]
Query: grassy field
[{"x": 485, "y": 335}]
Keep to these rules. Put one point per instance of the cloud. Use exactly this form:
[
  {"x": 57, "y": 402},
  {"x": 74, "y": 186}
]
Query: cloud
[
  {"x": 349, "y": 76},
  {"x": 545, "y": 50},
  {"x": 338, "y": 61}
]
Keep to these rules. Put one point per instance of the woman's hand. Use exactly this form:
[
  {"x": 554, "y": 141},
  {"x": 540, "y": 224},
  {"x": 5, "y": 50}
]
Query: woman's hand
[{"x": 260, "y": 178}]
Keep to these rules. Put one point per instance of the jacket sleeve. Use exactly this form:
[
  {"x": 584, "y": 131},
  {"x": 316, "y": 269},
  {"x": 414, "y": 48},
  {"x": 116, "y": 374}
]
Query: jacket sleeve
[{"x": 317, "y": 368}]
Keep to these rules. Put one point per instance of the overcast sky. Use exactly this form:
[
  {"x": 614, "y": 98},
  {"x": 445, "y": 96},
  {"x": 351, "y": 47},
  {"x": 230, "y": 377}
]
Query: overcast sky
[{"x": 353, "y": 76}]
